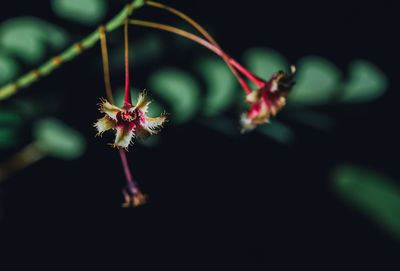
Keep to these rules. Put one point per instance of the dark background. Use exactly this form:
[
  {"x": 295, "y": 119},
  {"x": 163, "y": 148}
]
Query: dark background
[{"x": 214, "y": 201}]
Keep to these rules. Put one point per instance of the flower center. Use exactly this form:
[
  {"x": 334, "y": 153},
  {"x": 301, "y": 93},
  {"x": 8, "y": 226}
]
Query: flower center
[{"x": 127, "y": 116}]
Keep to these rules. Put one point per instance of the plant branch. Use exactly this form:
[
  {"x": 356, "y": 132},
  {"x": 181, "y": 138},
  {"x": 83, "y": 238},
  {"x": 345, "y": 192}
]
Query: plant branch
[
  {"x": 206, "y": 44},
  {"x": 106, "y": 69},
  {"x": 69, "y": 54},
  {"x": 204, "y": 32},
  {"x": 131, "y": 186},
  {"x": 25, "y": 157}
]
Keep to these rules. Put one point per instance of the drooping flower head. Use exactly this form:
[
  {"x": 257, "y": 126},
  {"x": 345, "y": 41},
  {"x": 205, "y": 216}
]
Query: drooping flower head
[
  {"x": 133, "y": 196},
  {"x": 267, "y": 100},
  {"x": 128, "y": 121},
  {"x": 270, "y": 96}
]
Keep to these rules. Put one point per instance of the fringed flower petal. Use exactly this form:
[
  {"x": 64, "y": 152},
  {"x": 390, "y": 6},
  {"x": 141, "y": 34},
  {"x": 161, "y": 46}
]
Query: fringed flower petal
[
  {"x": 142, "y": 103},
  {"x": 267, "y": 100},
  {"x": 104, "y": 124},
  {"x": 123, "y": 137},
  {"x": 108, "y": 108},
  {"x": 254, "y": 96},
  {"x": 149, "y": 126},
  {"x": 154, "y": 124},
  {"x": 128, "y": 121},
  {"x": 257, "y": 114}
]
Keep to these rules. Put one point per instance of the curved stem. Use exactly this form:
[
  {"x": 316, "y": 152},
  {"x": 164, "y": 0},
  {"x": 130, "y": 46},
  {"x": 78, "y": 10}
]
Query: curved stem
[
  {"x": 258, "y": 81},
  {"x": 180, "y": 32},
  {"x": 69, "y": 54},
  {"x": 199, "y": 28},
  {"x": 186, "y": 18}
]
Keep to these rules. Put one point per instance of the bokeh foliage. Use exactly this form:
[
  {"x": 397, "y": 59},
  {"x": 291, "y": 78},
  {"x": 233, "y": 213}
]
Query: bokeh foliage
[
  {"x": 206, "y": 91},
  {"x": 372, "y": 193},
  {"x": 88, "y": 12}
]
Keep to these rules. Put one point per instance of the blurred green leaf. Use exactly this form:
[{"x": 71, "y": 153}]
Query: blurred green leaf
[
  {"x": 8, "y": 117},
  {"x": 221, "y": 85},
  {"x": 317, "y": 80},
  {"x": 264, "y": 62},
  {"x": 146, "y": 49},
  {"x": 372, "y": 193},
  {"x": 57, "y": 139},
  {"x": 27, "y": 37},
  {"x": 9, "y": 122},
  {"x": 7, "y": 137},
  {"x": 366, "y": 82},
  {"x": 8, "y": 69},
  {"x": 277, "y": 131},
  {"x": 28, "y": 107},
  {"x": 179, "y": 89},
  {"x": 88, "y": 12}
]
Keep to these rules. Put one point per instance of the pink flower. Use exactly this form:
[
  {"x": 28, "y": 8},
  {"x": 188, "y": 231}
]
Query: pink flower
[
  {"x": 128, "y": 121},
  {"x": 267, "y": 100}
]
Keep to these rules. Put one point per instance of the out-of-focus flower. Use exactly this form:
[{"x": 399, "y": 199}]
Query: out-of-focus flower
[
  {"x": 128, "y": 121},
  {"x": 267, "y": 100},
  {"x": 133, "y": 196}
]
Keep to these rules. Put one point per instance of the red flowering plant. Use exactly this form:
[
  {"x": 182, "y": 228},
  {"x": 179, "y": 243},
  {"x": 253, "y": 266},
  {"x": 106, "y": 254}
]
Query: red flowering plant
[
  {"x": 131, "y": 121},
  {"x": 128, "y": 121},
  {"x": 265, "y": 101}
]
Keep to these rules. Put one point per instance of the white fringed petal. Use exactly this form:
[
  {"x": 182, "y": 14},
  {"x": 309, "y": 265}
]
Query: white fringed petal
[
  {"x": 104, "y": 124},
  {"x": 254, "y": 96},
  {"x": 154, "y": 124},
  {"x": 142, "y": 103},
  {"x": 110, "y": 109},
  {"x": 123, "y": 137}
]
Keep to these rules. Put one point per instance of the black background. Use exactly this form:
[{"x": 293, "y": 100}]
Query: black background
[{"x": 215, "y": 201}]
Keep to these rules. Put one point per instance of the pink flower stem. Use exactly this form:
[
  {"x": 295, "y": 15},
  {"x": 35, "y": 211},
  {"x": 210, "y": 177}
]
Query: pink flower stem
[
  {"x": 125, "y": 165},
  {"x": 259, "y": 82}
]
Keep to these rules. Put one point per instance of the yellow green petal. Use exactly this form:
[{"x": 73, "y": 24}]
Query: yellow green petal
[
  {"x": 123, "y": 137},
  {"x": 110, "y": 109},
  {"x": 104, "y": 124},
  {"x": 153, "y": 124},
  {"x": 142, "y": 103}
]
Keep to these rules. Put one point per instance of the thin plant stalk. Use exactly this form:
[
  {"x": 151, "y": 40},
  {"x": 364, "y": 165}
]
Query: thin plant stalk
[
  {"x": 106, "y": 69},
  {"x": 206, "y": 44},
  {"x": 205, "y": 34},
  {"x": 130, "y": 184}
]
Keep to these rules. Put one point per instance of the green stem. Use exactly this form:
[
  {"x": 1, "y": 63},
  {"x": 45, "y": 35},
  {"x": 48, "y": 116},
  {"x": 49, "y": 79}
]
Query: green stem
[{"x": 69, "y": 54}]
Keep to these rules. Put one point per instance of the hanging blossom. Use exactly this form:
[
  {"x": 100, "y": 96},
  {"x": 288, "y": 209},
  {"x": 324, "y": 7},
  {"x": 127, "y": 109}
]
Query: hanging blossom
[
  {"x": 267, "y": 100},
  {"x": 128, "y": 121},
  {"x": 133, "y": 196}
]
